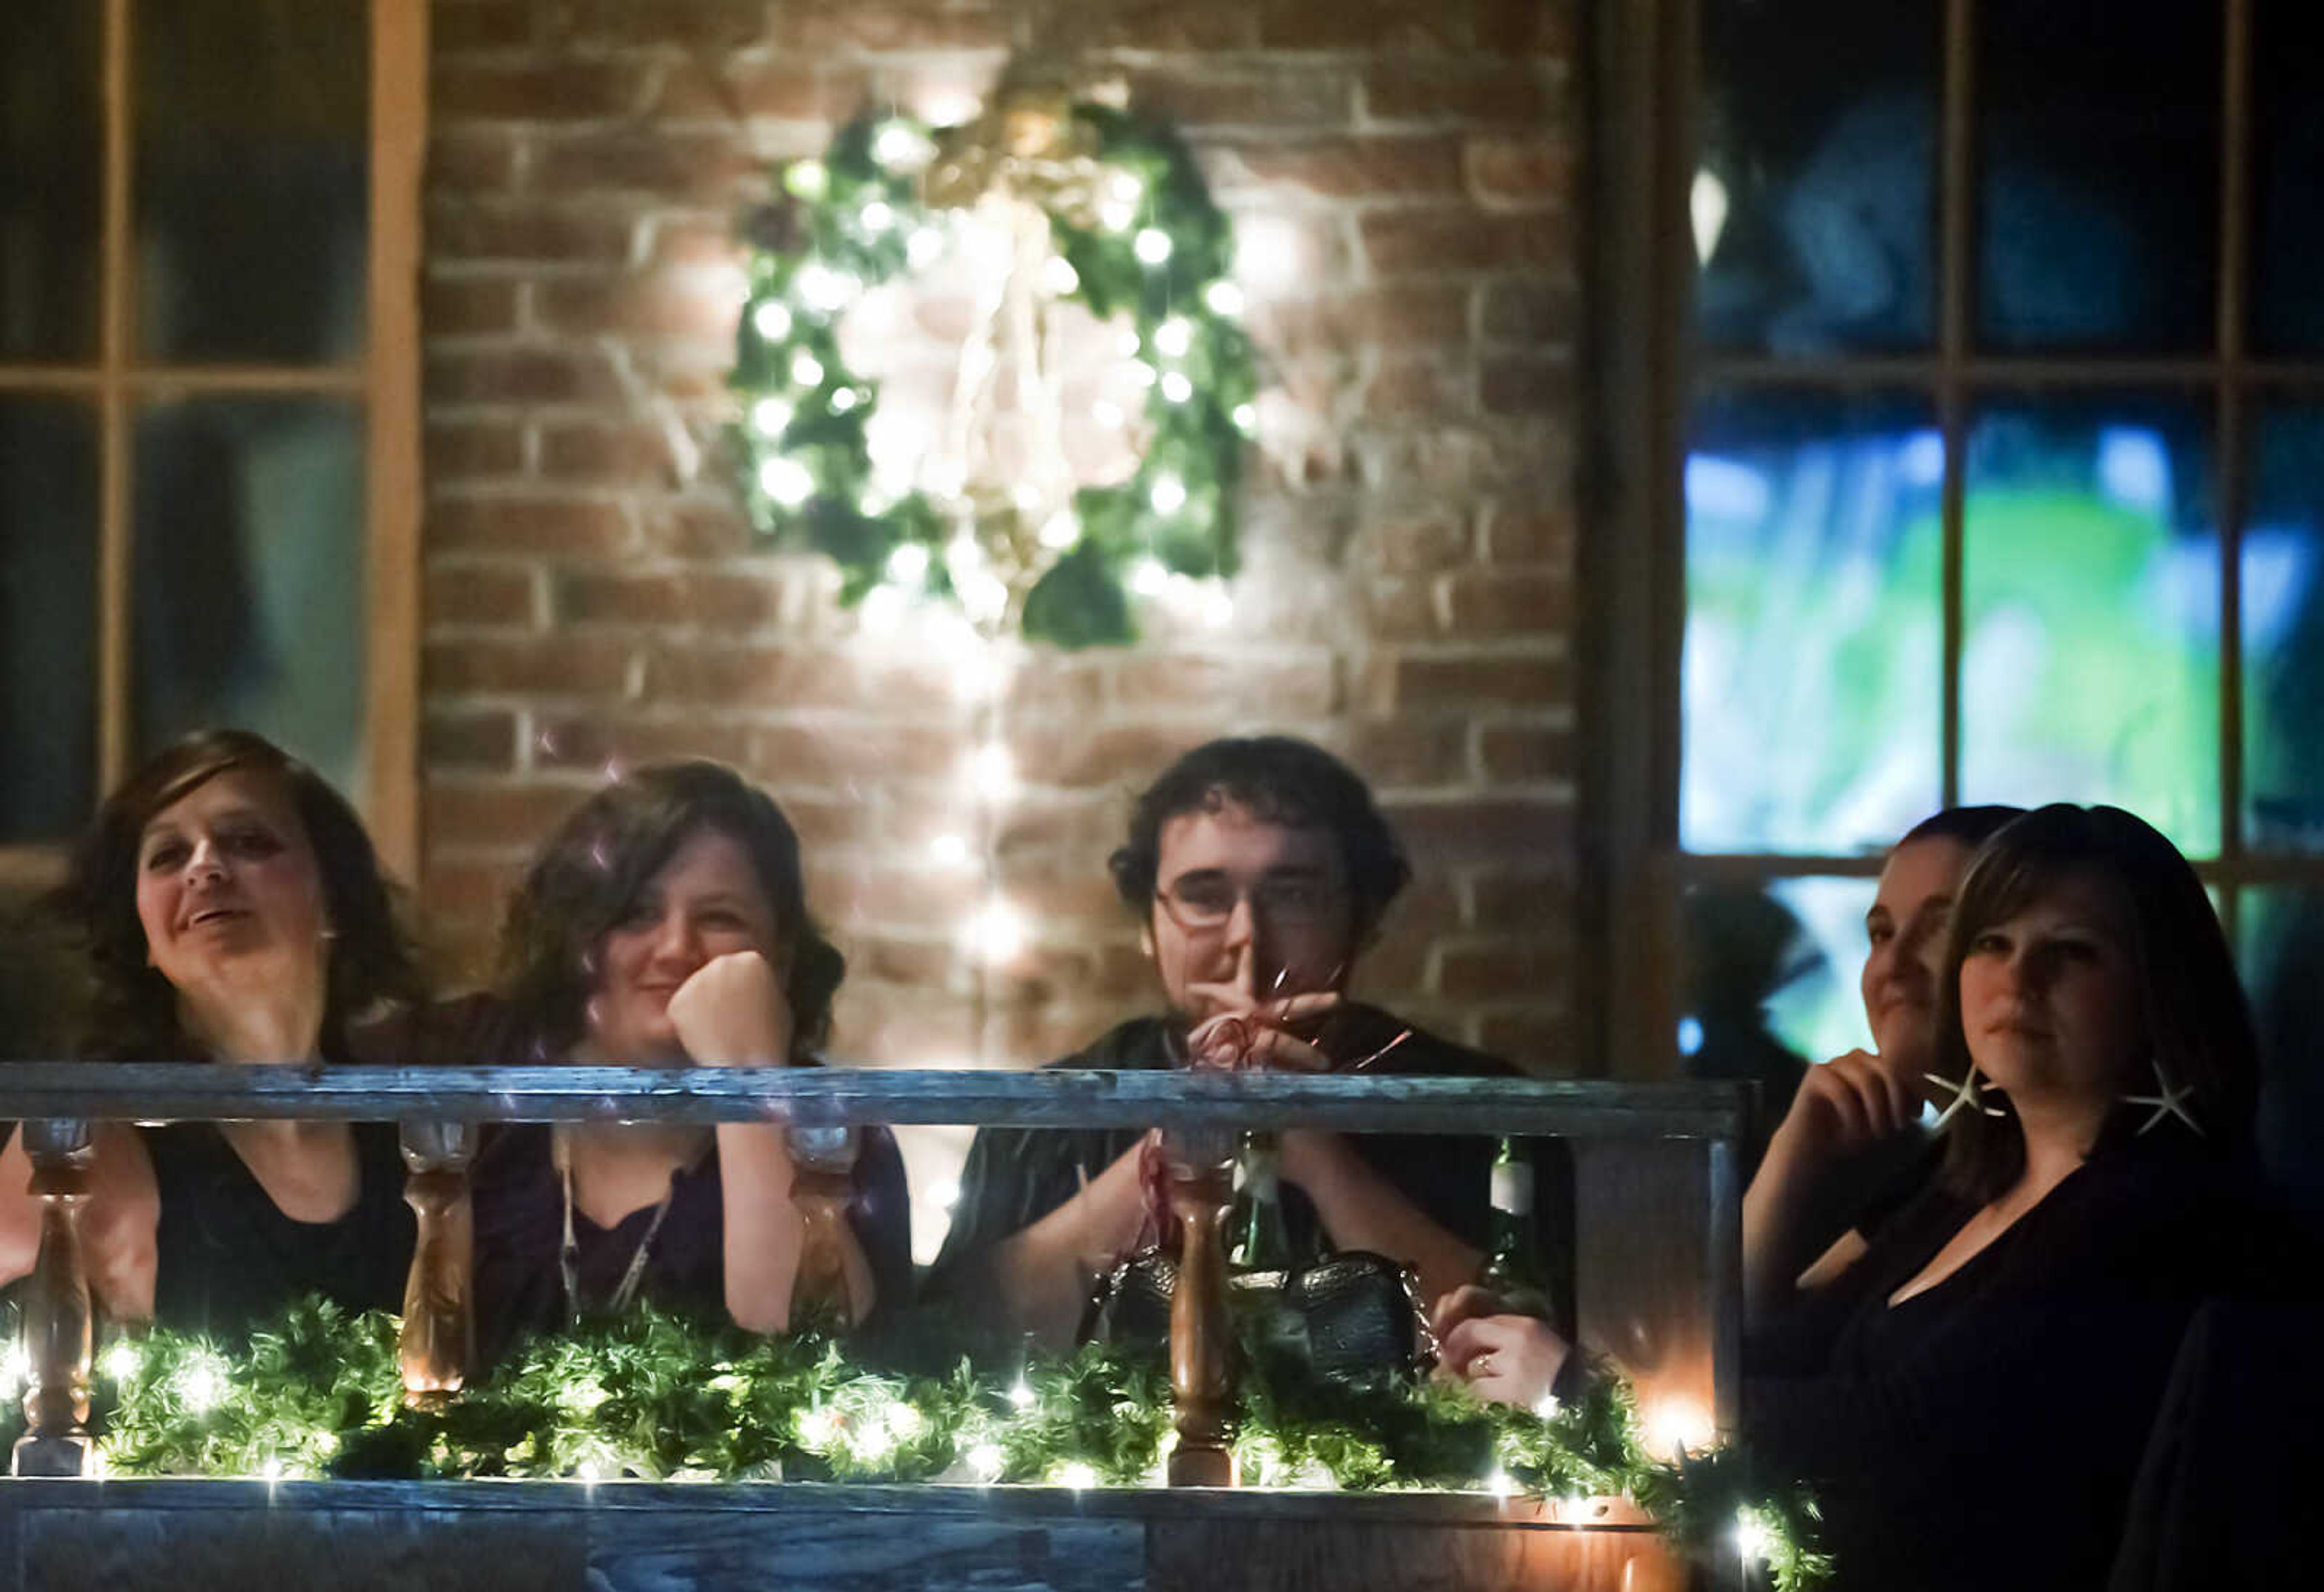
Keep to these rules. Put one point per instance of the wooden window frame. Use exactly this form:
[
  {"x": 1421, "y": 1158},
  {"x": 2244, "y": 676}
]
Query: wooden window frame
[
  {"x": 384, "y": 381},
  {"x": 1649, "y": 371}
]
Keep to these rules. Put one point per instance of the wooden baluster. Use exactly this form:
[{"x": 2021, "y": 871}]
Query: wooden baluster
[
  {"x": 832, "y": 1273},
  {"x": 1202, "y": 1332},
  {"x": 439, "y": 1329},
  {"x": 57, "y": 1315}
]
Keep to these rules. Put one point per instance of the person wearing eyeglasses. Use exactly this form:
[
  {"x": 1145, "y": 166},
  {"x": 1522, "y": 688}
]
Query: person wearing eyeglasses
[{"x": 1258, "y": 871}]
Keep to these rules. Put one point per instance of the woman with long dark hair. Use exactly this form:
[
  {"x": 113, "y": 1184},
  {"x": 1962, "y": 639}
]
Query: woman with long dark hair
[
  {"x": 663, "y": 923},
  {"x": 1971, "y": 1394},
  {"x": 227, "y": 906}
]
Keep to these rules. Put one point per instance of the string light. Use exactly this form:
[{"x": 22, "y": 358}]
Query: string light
[
  {"x": 770, "y": 417},
  {"x": 996, "y": 932},
  {"x": 822, "y": 289},
  {"x": 1176, "y": 387},
  {"x": 1169, "y": 494},
  {"x": 1679, "y": 1426},
  {"x": 1174, "y": 336},
  {"x": 772, "y": 319},
  {"x": 120, "y": 1362},
  {"x": 200, "y": 1382},
  {"x": 1246, "y": 419},
  {"x": 1020, "y": 1395},
  {"x": 991, "y": 771},
  {"x": 1149, "y": 579},
  {"x": 878, "y": 216},
  {"x": 986, "y": 1461},
  {"x": 807, "y": 179},
  {"x": 908, "y": 564},
  {"x": 1058, "y": 275},
  {"x": 922, "y": 247},
  {"x": 1224, "y": 299},
  {"x": 948, "y": 850},
  {"x": 1152, "y": 245},
  {"x": 1108, "y": 414},
  {"x": 1061, "y": 530},
  {"x": 787, "y": 481},
  {"x": 1076, "y": 1475},
  {"x": 898, "y": 146},
  {"x": 806, "y": 369},
  {"x": 844, "y": 400}
]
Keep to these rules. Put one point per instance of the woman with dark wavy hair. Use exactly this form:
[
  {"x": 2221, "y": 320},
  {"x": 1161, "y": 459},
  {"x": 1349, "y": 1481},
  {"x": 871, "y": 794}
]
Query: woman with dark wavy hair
[
  {"x": 1971, "y": 1394},
  {"x": 227, "y": 906},
  {"x": 663, "y": 925}
]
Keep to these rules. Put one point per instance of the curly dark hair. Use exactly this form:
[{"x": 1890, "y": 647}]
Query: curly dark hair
[
  {"x": 1282, "y": 780},
  {"x": 591, "y": 871},
  {"x": 132, "y": 1010},
  {"x": 2197, "y": 1020}
]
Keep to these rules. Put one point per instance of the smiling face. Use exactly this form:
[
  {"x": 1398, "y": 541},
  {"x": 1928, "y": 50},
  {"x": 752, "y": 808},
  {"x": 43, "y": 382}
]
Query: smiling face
[
  {"x": 1238, "y": 896},
  {"x": 225, "y": 871},
  {"x": 2051, "y": 1002},
  {"x": 1905, "y": 934},
  {"x": 705, "y": 902}
]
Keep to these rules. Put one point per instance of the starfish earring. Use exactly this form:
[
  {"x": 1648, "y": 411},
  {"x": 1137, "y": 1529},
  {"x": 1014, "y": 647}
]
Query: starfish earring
[
  {"x": 1966, "y": 1095},
  {"x": 2171, "y": 1102}
]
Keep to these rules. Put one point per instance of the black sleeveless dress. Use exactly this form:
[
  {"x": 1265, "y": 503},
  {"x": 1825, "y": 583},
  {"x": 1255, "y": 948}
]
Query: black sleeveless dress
[{"x": 228, "y": 1259}]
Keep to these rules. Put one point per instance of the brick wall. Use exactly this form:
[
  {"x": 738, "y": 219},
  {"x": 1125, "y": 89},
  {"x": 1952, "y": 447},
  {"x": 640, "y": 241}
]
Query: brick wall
[{"x": 593, "y": 596}]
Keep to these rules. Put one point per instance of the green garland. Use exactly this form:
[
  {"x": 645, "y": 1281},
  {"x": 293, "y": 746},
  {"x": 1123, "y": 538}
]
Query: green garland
[
  {"x": 319, "y": 1394},
  {"x": 855, "y": 219}
]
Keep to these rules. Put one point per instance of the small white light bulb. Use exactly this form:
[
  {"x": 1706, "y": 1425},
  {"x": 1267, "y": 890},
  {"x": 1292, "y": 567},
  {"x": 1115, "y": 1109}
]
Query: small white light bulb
[
  {"x": 907, "y": 565},
  {"x": 949, "y": 851},
  {"x": 772, "y": 319},
  {"x": 1176, "y": 387},
  {"x": 787, "y": 481},
  {"x": 1224, "y": 299},
  {"x": 844, "y": 400},
  {"x": 922, "y": 247},
  {"x": 1169, "y": 494},
  {"x": 1152, "y": 245},
  {"x": 807, "y": 370},
  {"x": 878, "y": 216},
  {"x": 1061, "y": 529},
  {"x": 1149, "y": 579},
  {"x": 1174, "y": 336},
  {"x": 991, "y": 769},
  {"x": 770, "y": 417},
  {"x": 1058, "y": 275}
]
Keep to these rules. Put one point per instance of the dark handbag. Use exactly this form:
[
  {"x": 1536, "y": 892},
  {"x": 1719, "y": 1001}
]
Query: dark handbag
[{"x": 1350, "y": 1316}]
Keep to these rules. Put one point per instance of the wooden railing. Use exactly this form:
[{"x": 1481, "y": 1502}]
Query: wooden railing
[{"x": 1656, "y": 1196}]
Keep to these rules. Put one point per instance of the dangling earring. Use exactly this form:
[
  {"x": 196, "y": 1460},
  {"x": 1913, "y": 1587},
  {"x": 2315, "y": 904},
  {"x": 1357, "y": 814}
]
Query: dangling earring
[
  {"x": 1965, "y": 1094},
  {"x": 2172, "y": 1101}
]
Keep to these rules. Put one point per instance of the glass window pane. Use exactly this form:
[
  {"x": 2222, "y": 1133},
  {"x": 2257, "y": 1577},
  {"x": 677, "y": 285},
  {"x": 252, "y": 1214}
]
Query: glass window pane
[
  {"x": 48, "y": 618},
  {"x": 2287, "y": 308},
  {"x": 1814, "y": 199},
  {"x": 2090, "y": 600},
  {"x": 1770, "y": 981},
  {"x": 252, "y": 148},
  {"x": 249, "y": 580},
  {"x": 52, "y": 192},
  {"x": 1814, "y": 629},
  {"x": 2097, "y": 186},
  {"x": 2283, "y": 633},
  {"x": 2280, "y": 944}
]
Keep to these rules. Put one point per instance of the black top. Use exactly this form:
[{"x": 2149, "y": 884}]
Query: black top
[
  {"x": 1016, "y": 1176},
  {"x": 228, "y": 1258},
  {"x": 520, "y": 1202},
  {"x": 1985, "y": 1433}
]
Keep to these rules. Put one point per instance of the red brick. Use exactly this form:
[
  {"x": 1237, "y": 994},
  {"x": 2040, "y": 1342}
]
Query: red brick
[
  {"x": 1525, "y": 753},
  {"x": 835, "y": 756},
  {"x": 458, "y": 26},
  {"x": 1055, "y": 685},
  {"x": 609, "y": 454},
  {"x": 1526, "y": 383},
  {"x": 1394, "y": 753},
  {"x": 829, "y": 827},
  {"x": 665, "y": 305},
  {"x": 529, "y": 233},
  {"x": 1437, "y": 239},
  {"x": 484, "y": 740},
  {"x": 463, "y": 161},
  {"x": 734, "y": 599},
  {"x": 667, "y": 166},
  {"x": 548, "y": 666},
  {"x": 695, "y": 245},
  {"x": 590, "y": 741},
  {"x": 1503, "y": 970},
  {"x": 718, "y": 24},
  {"x": 795, "y": 677},
  {"x": 522, "y": 375},
  {"x": 466, "y": 306},
  {"x": 1506, "y": 830},
  {"x": 1529, "y": 534},
  {"x": 699, "y": 531},
  {"x": 897, "y": 896},
  {"x": 1396, "y": 610},
  {"x": 877, "y": 28},
  {"x": 510, "y": 817},
  {"x": 1366, "y": 166},
  {"x": 467, "y": 450},
  {"x": 1419, "y": 682},
  {"x": 1408, "y": 388},
  {"x": 1540, "y": 1040},
  {"x": 559, "y": 526},
  {"x": 471, "y": 594},
  {"x": 534, "y": 90},
  {"x": 1214, "y": 94},
  {"x": 472, "y": 891},
  {"x": 1535, "y": 168},
  {"x": 1531, "y": 312},
  {"x": 1508, "y": 602},
  {"x": 781, "y": 89},
  {"x": 1374, "y": 26},
  {"x": 1169, "y": 24},
  {"x": 1419, "y": 543},
  {"x": 1512, "y": 900},
  {"x": 1112, "y": 756},
  {"x": 1295, "y": 687},
  {"x": 1545, "y": 29},
  {"x": 922, "y": 963},
  {"x": 1421, "y": 89}
]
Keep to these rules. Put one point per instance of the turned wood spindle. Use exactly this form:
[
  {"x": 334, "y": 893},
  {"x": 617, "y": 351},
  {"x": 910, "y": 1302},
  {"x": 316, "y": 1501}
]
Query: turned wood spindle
[
  {"x": 1202, "y": 1332},
  {"x": 832, "y": 1272},
  {"x": 57, "y": 1330},
  {"x": 440, "y": 1330}
]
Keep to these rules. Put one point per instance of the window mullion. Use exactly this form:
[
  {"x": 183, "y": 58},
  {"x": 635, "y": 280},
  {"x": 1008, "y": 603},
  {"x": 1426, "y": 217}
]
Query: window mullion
[
  {"x": 1955, "y": 227},
  {"x": 2230, "y": 416},
  {"x": 116, "y": 422}
]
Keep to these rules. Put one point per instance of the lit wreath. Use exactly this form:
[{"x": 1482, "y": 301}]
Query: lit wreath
[{"x": 1133, "y": 228}]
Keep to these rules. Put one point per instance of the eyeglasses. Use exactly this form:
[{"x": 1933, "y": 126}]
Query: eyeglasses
[{"x": 1206, "y": 901}]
